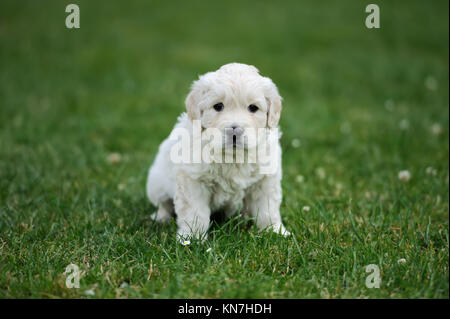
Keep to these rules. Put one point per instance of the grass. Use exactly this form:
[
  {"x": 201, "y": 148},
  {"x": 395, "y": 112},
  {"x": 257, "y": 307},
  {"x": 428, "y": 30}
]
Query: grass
[{"x": 362, "y": 103}]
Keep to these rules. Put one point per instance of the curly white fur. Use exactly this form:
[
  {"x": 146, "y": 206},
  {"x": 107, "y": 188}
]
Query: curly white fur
[{"x": 194, "y": 191}]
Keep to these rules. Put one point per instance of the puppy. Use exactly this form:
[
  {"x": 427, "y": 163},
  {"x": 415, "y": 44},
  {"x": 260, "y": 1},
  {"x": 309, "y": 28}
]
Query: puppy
[{"x": 233, "y": 100}]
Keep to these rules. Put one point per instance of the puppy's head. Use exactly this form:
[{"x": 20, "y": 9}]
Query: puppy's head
[{"x": 234, "y": 99}]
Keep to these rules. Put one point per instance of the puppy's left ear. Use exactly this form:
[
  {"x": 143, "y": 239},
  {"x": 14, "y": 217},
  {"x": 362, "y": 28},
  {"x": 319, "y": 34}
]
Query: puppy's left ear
[
  {"x": 192, "y": 102},
  {"x": 273, "y": 99}
]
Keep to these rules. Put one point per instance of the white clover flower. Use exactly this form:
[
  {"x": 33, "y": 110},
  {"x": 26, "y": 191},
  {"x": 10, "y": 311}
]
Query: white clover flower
[
  {"x": 114, "y": 158},
  {"x": 300, "y": 179},
  {"x": 401, "y": 261},
  {"x": 124, "y": 285},
  {"x": 436, "y": 129},
  {"x": 296, "y": 143},
  {"x": 431, "y": 83},
  {"x": 186, "y": 243},
  {"x": 209, "y": 249},
  {"x": 404, "y": 176},
  {"x": 404, "y": 124},
  {"x": 306, "y": 208}
]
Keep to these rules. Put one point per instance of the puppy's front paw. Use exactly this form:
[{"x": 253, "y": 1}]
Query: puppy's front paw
[
  {"x": 185, "y": 237},
  {"x": 279, "y": 229}
]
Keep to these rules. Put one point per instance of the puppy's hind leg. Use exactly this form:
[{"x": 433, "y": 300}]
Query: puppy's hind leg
[{"x": 164, "y": 213}]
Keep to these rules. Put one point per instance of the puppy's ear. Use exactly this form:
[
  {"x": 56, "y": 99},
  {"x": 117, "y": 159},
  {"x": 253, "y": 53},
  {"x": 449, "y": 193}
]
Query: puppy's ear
[
  {"x": 273, "y": 99},
  {"x": 192, "y": 102}
]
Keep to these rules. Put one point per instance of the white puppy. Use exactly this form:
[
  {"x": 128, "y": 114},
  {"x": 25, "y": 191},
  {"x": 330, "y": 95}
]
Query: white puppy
[{"x": 234, "y": 99}]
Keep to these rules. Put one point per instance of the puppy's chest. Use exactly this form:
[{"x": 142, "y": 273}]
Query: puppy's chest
[{"x": 228, "y": 182}]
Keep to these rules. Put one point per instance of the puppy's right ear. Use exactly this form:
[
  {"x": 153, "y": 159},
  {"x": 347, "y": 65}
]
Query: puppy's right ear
[
  {"x": 274, "y": 102},
  {"x": 192, "y": 102}
]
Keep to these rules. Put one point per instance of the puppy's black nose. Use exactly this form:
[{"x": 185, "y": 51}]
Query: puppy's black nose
[
  {"x": 234, "y": 133},
  {"x": 236, "y": 130}
]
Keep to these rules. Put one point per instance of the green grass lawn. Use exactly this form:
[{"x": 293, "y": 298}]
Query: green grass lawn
[{"x": 360, "y": 105}]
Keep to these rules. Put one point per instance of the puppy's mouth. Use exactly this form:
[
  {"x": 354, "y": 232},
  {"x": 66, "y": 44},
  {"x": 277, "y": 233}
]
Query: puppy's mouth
[
  {"x": 234, "y": 137},
  {"x": 236, "y": 143}
]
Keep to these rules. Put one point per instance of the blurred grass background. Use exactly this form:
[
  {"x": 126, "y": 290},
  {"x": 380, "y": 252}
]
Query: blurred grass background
[{"x": 360, "y": 105}]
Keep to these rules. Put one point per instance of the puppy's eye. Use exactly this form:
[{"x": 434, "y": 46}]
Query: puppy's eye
[
  {"x": 253, "y": 108},
  {"x": 218, "y": 107}
]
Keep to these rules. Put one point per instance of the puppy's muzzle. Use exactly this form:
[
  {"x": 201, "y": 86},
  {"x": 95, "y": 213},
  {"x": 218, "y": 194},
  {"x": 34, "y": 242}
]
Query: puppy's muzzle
[{"x": 234, "y": 135}]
